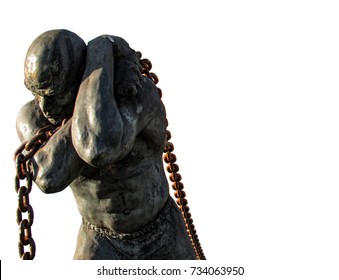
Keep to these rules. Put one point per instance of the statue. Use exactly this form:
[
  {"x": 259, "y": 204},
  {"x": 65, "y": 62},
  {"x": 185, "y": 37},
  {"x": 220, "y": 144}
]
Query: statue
[{"x": 110, "y": 149}]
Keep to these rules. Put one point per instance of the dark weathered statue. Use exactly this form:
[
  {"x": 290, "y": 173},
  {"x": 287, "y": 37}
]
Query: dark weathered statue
[{"x": 110, "y": 150}]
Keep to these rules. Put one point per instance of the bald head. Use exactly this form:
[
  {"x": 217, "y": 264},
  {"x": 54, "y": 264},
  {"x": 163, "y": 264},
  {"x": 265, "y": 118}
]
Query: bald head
[{"x": 54, "y": 61}]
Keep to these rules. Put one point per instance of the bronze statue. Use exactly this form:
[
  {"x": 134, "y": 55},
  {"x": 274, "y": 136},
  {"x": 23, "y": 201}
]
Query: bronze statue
[{"x": 109, "y": 151}]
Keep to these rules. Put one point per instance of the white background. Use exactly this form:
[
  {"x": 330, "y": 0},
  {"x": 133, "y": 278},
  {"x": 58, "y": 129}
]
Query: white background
[{"x": 251, "y": 91}]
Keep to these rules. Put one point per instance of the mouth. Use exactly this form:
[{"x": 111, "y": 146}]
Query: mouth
[
  {"x": 57, "y": 119},
  {"x": 48, "y": 116},
  {"x": 54, "y": 119},
  {"x": 51, "y": 116}
]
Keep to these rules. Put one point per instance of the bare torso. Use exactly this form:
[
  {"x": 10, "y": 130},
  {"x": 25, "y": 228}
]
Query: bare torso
[{"x": 123, "y": 196}]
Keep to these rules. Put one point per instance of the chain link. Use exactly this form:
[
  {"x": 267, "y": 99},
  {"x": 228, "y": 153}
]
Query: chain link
[
  {"x": 173, "y": 168},
  {"x": 25, "y": 213}
]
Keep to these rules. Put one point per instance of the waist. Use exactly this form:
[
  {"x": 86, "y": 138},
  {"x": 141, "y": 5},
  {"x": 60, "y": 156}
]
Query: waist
[{"x": 161, "y": 216}]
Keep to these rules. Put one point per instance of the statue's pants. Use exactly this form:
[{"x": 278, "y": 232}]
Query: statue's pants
[{"x": 163, "y": 239}]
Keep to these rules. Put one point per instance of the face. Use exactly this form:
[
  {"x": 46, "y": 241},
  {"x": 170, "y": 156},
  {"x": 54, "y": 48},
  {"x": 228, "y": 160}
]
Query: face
[{"x": 56, "y": 106}]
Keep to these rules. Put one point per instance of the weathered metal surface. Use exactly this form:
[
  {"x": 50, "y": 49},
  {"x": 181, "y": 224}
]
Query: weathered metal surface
[{"x": 110, "y": 150}]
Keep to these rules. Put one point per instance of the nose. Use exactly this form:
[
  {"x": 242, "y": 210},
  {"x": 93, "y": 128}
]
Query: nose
[{"x": 46, "y": 105}]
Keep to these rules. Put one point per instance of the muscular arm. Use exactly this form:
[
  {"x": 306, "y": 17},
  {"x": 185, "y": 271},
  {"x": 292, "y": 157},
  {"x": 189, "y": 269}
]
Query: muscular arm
[
  {"x": 29, "y": 120},
  {"x": 56, "y": 164},
  {"x": 104, "y": 131}
]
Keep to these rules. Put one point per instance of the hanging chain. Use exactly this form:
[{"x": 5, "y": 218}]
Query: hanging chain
[
  {"x": 173, "y": 168},
  {"x": 25, "y": 213}
]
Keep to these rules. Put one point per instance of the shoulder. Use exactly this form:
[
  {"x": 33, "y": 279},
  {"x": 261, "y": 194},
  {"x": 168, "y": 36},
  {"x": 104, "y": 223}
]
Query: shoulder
[{"x": 29, "y": 120}]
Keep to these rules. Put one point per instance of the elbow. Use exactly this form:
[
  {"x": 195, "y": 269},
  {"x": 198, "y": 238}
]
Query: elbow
[
  {"x": 96, "y": 148},
  {"x": 49, "y": 185},
  {"x": 98, "y": 154},
  {"x": 48, "y": 182}
]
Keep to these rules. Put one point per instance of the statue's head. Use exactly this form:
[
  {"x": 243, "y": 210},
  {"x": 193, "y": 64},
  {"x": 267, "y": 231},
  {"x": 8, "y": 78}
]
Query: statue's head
[{"x": 54, "y": 67}]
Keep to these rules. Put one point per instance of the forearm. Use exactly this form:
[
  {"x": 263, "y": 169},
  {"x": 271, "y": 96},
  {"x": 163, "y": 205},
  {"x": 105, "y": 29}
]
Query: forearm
[
  {"x": 97, "y": 126},
  {"x": 57, "y": 164}
]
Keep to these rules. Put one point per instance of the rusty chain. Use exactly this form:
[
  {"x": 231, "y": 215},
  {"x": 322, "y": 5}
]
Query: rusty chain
[
  {"x": 25, "y": 213},
  {"x": 173, "y": 168}
]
